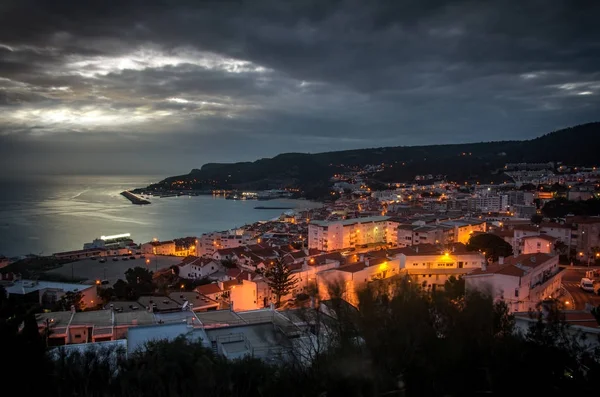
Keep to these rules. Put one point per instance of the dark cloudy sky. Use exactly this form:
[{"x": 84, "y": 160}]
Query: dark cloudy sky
[{"x": 164, "y": 86}]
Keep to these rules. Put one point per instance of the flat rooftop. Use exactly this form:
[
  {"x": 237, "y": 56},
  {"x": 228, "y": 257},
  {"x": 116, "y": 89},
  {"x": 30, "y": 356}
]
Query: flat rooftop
[
  {"x": 23, "y": 287},
  {"x": 347, "y": 222},
  {"x": 141, "y": 317},
  {"x": 56, "y": 319},
  {"x": 219, "y": 318},
  {"x": 98, "y": 318}
]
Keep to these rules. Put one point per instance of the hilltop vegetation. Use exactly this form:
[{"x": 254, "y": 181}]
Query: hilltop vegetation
[{"x": 469, "y": 162}]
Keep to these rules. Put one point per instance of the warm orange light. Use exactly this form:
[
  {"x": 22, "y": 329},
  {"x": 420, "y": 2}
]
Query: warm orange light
[
  {"x": 182, "y": 286},
  {"x": 97, "y": 282}
]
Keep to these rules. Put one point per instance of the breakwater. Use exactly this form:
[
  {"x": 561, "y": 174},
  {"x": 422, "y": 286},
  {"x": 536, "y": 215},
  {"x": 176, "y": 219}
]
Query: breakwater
[{"x": 134, "y": 199}]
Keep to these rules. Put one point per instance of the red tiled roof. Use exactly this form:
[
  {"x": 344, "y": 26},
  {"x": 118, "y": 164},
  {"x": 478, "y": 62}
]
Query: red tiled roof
[
  {"x": 298, "y": 254},
  {"x": 231, "y": 283},
  {"x": 527, "y": 228},
  {"x": 529, "y": 260},
  {"x": 503, "y": 233},
  {"x": 238, "y": 274},
  {"x": 505, "y": 269},
  {"x": 555, "y": 225},
  {"x": 428, "y": 249},
  {"x": 208, "y": 289},
  {"x": 511, "y": 267},
  {"x": 227, "y": 251}
]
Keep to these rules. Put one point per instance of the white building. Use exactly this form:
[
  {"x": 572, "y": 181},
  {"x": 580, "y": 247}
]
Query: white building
[
  {"x": 416, "y": 234},
  {"x": 462, "y": 229},
  {"x": 208, "y": 243},
  {"x": 49, "y": 292},
  {"x": 348, "y": 233},
  {"x": 354, "y": 276},
  {"x": 559, "y": 231},
  {"x": 193, "y": 267},
  {"x": 522, "y": 281},
  {"x": 159, "y": 247},
  {"x": 536, "y": 244},
  {"x": 432, "y": 267}
]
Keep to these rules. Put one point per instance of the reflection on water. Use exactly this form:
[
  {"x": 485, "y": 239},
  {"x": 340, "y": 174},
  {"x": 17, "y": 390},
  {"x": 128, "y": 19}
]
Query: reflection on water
[{"x": 46, "y": 215}]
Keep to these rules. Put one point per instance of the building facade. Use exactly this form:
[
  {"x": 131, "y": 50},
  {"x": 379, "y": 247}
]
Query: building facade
[
  {"x": 348, "y": 233},
  {"x": 522, "y": 281}
]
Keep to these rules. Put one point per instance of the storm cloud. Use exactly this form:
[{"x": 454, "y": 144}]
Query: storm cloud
[{"x": 165, "y": 86}]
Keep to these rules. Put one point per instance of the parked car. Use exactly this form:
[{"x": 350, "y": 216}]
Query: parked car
[
  {"x": 586, "y": 284},
  {"x": 115, "y": 259},
  {"x": 132, "y": 257},
  {"x": 124, "y": 258},
  {"x": 102, "y": 260}
]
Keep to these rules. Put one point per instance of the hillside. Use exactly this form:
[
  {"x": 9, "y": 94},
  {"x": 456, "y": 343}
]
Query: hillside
[{"x": 468, "y": 162}]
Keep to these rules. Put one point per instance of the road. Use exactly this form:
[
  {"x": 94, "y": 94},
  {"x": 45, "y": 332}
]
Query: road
[
  {"x": 110, "y": 270},
  {"x": 570, "y": 281}
]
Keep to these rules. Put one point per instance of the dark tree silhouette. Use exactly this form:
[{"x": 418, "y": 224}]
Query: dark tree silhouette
[
  {"x": 537, "y": 219},
  {"x": 70, "y": 299},
  {"x": 140, "y": 282},
  {"x": 280, "y": 280},
  {"x": 492, "y": 245}
]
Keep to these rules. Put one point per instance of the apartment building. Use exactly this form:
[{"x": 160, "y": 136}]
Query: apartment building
[
  {"x": 521, "y": 281},
  {"x": 408, "y": 235},
  {"x": 561, "y": 232},
  {"x": 488, "y": 203},
  {"x": 586, "y": 238},
  {"x": 347, "y": 233},
  {"x": 208, "y": 243},
  {"x": 461, "y": 230}
]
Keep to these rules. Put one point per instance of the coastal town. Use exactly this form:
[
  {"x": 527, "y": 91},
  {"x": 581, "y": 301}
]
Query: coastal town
[{"x": 510, "y": 240}]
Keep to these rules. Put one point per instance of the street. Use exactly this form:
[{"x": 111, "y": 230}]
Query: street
[
  {"x": 112, "y": 270},
  {"x": 570, "y": 281}
]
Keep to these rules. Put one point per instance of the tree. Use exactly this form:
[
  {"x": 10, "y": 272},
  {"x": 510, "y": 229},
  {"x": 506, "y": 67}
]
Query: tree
[
  {"x": 454, "y": 287},
  {"x": 122, "y": 290},
  {"x": 560, "y": 247},
  {"x": 70, "y": 299},
  {"x": 537, "y": 219},
  {"x": 140, "y": 281},
  {"x": 106, "y": 294},
  {"x": 493, "y": 246},
  {"x": 229, "y": 263},
  {"x": 280, "y": 280}
]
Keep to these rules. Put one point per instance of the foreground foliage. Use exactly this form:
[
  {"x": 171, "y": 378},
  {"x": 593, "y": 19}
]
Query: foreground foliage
[{"x": 398, "y": 341}]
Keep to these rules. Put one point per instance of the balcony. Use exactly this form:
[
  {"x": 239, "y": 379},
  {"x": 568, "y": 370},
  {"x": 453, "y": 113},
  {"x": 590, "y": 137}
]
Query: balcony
[{"x": 547, "y": 279}]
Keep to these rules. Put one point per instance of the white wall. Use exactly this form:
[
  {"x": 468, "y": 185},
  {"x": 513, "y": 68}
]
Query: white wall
[{"x": 244, "y": 296}]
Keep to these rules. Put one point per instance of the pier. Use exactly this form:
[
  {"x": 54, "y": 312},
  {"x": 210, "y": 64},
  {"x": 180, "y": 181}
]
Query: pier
[{"x": 134, "y": 199}]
